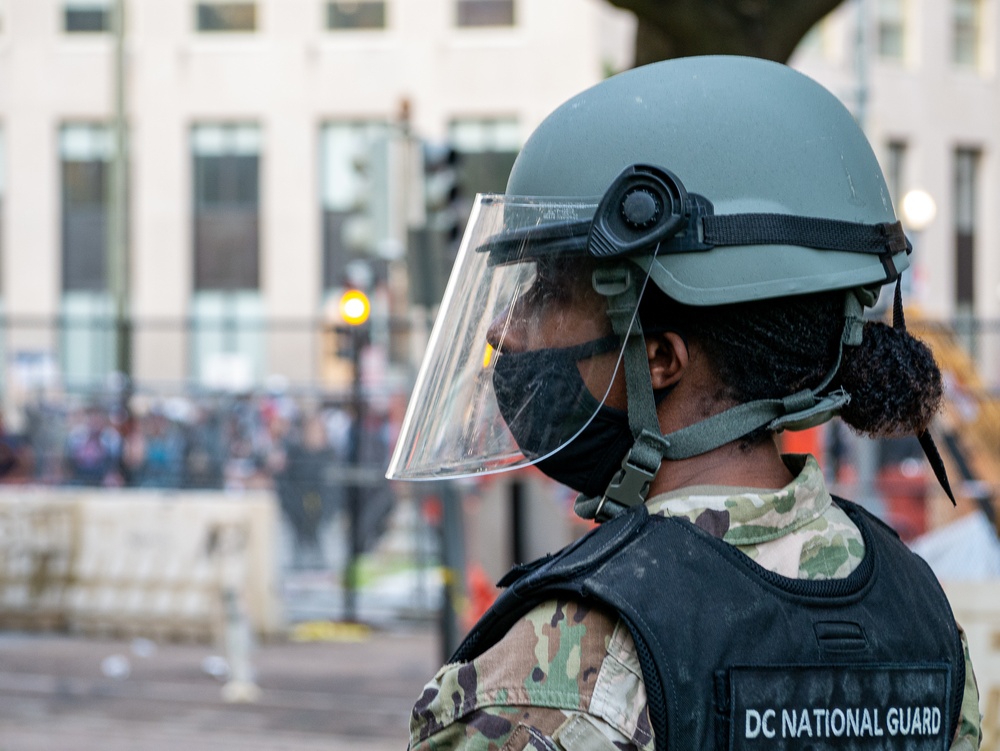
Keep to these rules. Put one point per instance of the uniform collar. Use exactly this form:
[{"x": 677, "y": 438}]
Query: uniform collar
[{"x": 750, "y": 516}]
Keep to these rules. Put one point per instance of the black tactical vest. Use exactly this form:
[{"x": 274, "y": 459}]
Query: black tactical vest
[{"x": 737, "y": 657}]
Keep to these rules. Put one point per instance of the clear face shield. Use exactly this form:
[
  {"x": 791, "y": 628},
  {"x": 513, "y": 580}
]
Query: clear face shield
[{"x": 522, "y": 355}]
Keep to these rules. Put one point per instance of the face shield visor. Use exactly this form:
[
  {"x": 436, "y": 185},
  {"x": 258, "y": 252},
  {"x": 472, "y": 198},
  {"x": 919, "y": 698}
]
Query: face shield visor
[{"x": 522, "y": 355}]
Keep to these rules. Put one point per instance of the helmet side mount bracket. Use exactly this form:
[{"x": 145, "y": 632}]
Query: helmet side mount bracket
[{"x": 642, "y": 207}]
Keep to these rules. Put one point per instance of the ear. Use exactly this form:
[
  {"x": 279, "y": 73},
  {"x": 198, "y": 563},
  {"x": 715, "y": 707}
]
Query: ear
[{"x": 668, "y": 358}]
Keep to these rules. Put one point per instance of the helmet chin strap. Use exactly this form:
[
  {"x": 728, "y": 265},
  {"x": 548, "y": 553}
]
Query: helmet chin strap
[
  {"x": 798, "y": 411},
  {"x": 630, "y": 485}
]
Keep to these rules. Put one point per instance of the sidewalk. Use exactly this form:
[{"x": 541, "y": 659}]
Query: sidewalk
[{"x": 65, "y": 693}]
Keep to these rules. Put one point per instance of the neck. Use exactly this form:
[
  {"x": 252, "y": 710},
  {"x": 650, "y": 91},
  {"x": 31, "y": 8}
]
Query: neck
[
  {"x": 760, "y": 466},
  {"x": 698, "y": 395}
]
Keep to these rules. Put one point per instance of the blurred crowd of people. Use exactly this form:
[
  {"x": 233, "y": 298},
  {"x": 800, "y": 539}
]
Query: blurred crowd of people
[{"x": 220, "y": 442}]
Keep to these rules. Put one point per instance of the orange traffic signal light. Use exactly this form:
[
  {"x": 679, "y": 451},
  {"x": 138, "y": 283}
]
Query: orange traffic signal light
[{"x": 354, "y": 307}]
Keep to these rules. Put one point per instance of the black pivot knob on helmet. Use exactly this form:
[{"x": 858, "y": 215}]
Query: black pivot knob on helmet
[
  {"x": 641, "y": 209},
  {"x": 643, "y": 206}
]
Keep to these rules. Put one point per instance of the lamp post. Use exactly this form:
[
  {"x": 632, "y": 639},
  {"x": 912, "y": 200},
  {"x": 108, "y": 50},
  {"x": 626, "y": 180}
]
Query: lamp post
[
  {"x": 117, "y": 249},
  {"x": 118, "y": 265}
]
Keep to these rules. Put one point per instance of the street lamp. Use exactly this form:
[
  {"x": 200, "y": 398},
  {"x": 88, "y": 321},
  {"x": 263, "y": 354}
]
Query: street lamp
[{"x": 918, "y": 209}]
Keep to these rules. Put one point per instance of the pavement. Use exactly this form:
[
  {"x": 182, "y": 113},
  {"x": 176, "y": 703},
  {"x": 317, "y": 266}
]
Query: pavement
[{"x": 349, "y": 687}]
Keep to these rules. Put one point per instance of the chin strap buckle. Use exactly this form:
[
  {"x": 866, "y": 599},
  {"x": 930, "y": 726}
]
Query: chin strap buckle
[{"x": 631, "y": 484}]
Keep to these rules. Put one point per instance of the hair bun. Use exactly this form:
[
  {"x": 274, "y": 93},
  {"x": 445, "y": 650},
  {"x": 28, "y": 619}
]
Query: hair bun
[{"x": 894, "y": 383}]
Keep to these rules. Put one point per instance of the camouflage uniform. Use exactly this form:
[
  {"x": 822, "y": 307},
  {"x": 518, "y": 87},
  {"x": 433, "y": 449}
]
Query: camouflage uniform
[{"x": 568, "y": 677}]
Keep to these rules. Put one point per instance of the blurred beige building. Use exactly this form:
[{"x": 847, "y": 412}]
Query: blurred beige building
[
  {"x": 922, "y": 77},
  {"x": 247, "y": 119}
]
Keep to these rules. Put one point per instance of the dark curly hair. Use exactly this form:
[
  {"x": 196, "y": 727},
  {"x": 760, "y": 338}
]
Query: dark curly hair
[{"x": 770, "y": 349}]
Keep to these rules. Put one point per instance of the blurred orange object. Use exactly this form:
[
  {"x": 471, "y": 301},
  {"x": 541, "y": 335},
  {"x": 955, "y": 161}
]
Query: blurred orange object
[
  {"x": 803, "y": 442},
  {"x": 482, "y": 594}
]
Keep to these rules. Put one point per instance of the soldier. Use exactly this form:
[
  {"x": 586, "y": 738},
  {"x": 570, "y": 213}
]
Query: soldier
[{"x": 678, "y": 271}]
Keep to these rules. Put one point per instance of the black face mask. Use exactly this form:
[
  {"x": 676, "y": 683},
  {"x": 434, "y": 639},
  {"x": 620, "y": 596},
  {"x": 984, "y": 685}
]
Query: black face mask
[{"x": 544, "y": 401}]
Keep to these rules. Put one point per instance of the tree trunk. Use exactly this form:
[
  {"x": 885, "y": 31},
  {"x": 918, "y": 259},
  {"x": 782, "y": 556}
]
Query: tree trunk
[{"x": 769, "y": 29}]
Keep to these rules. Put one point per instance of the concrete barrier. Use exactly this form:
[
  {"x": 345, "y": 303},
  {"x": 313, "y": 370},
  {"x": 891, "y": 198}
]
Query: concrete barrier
[
  {"x": 138, "y": 561},
  {"x": 38, "y": 541}
]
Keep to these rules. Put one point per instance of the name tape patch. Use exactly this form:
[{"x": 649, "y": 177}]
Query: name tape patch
[{"x": 839, "y": 707}]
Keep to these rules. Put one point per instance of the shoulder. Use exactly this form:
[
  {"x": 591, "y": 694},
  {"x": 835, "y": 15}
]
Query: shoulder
[
  {"x": 550, "y": 657},
  {"x": 560, "y": 660}
]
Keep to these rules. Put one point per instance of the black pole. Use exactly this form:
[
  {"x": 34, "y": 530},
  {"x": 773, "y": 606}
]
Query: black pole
[
  {"x": 117, "y": 251},
  {"x": 453, "y": 563},
  {"x": 353, "y": 488},
  {"x": 518, "y": 519}
]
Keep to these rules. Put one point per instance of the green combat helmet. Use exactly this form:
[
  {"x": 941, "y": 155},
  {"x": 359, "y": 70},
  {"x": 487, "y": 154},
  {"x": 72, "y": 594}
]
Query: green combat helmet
[{"x": 718, "y": 179}]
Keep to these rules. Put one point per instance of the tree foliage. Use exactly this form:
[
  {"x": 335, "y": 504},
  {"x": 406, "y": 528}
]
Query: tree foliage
[{"x": 757, "y": 28}]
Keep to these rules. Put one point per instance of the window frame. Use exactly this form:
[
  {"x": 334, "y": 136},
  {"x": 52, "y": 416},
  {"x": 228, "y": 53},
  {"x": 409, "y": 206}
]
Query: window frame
[
  {"x": 329, "y": 7},
  {"x": 465, "y": 17},
  {"x": 105, "y": 7},
  {"x": 3, "y": 192},
  {"x": 967, "y": 169},
  {"x": 967, "y": 30},
  {"x": 897, "y": 152},
  {"x": 89, "y": 136},
  {"x": 234, "y": 141},
  {"x": 897, "y": 23},
  {"x": 338, "y": 203},
  {"x": 204, "y": 5}
]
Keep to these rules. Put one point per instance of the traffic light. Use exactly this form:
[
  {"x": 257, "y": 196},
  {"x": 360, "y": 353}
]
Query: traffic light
[
  {"x": 354, "y": 307},
  {"x": 352, "y": 335}
]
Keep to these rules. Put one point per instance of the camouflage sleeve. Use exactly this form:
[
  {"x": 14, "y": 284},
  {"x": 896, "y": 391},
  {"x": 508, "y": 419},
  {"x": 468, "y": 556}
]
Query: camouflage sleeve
[
  {"x": 968, "y": 736},
  {"x": 508, "y": 729},
  {"x": 535, "y": 689}
]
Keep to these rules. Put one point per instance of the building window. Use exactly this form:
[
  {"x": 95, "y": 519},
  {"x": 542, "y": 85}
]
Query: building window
[
  {"x": 227, "y": 346},
  {"x": 891, "y": 29},
  {"x": 226, "y": 206},
  {"x": 85, "y": 154},
  {"x": 485, "y": 12},
  {"x": 485, "y": 134},
  {"x": 87, "y": 338},
  {"x": 487, "y": 149},
  {"x": 3, "y": 191},
  {"x": 966, "y": 178},
  {"x": 966, "y": 23},
  {"x": 87, "y": 341},
  {"x": 895, "y": 165},
  {"x": 223, "y": 16},
  {"x": 348, "y": 176},
  {"x": 86, "y": 16},
  {"x": 364, "y": 14}
]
